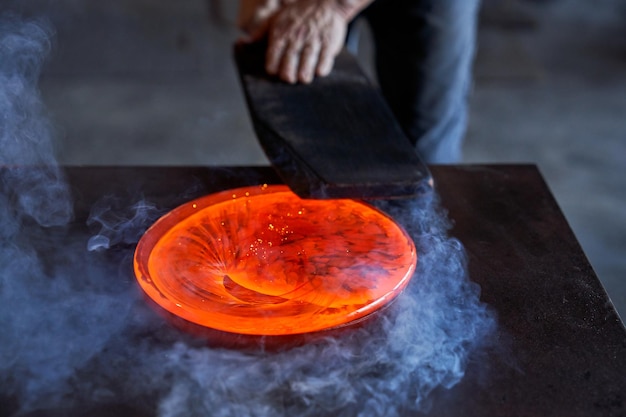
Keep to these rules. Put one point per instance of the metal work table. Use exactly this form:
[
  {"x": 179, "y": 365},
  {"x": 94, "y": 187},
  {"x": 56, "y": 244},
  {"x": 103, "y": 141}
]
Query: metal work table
[{"x": 561, "y": 345}]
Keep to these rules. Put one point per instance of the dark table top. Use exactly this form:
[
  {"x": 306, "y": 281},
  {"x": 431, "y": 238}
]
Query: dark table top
[{"x": 560, "y": 347}]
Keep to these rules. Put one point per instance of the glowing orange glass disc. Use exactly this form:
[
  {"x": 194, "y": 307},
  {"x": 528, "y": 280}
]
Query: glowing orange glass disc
[{"x": 262, "y": 261}]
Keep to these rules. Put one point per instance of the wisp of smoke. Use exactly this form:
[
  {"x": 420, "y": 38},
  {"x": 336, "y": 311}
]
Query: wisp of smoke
[
  {"x": 45, "y": 333},
  {"x": 25, "y": 131},
  {"x": 77, "y": 335},
  {"x": 117, "y": 223},
  {"x": 422, "y": 342}
]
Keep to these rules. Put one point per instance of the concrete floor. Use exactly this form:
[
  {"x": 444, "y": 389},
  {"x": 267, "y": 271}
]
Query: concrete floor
[{"x": 143, "y": 82}]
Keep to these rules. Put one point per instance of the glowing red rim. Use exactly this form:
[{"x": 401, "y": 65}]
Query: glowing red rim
[{"x": 261, "y": 261}]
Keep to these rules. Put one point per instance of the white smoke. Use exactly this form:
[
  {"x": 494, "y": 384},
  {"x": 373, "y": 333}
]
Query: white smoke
[
  {"x": 387, "y": 368},
  {"x": 77, "y": 336},
  {"x": 119, "y": 224},
  {"x": 50, "y": 324},
  {"x": 25, "y": 131}
]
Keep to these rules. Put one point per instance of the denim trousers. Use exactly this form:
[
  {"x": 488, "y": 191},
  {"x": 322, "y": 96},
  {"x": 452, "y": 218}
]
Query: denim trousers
[{"x": 424, "y": 54}]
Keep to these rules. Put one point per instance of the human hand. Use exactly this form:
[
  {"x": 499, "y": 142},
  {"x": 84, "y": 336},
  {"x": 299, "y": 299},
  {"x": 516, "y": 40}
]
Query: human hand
[{"x": 304, "y": 36}]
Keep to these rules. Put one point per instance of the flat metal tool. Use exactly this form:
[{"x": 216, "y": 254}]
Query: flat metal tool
[{"x": 333, "y": 138}]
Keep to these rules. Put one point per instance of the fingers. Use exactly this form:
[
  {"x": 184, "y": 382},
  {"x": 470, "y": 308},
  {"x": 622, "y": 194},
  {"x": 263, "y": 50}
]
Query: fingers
[
  {"x": 303, "y": 43},
  {"x": 294, "y": 63},
  {"x": 325, "y": 62},
  {"x": 296, "y": 60},
  {"x": 289, "y": 64},
  {"x": 276, "y": 49},
  {"x": 308, "y": 62},
  {"x": 331, "y": 46}
]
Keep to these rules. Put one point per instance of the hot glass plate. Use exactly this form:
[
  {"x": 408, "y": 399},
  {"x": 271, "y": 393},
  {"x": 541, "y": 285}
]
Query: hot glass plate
[{"x": 261, "y": 261}]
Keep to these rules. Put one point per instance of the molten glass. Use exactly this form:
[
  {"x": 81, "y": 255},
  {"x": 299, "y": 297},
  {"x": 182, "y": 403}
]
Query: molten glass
[{"x": 262, "y": 261}]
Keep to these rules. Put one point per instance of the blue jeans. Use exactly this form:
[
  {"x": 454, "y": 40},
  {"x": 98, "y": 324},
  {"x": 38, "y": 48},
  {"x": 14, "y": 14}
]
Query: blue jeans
[{"x": 424, "y": 56}]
